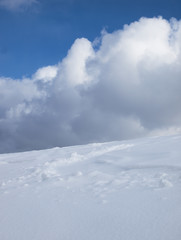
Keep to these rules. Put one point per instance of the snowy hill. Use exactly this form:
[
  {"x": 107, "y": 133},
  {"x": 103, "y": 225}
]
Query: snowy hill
[{"x": 129, "y": 190}]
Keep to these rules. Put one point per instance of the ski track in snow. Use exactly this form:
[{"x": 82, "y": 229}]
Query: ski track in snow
[{"x": 98, "y": 168}]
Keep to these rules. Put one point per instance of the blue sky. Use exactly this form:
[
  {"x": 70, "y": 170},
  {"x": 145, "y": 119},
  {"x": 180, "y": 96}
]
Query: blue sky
[
  {"x": 75, "y": 72},
  {"x": 40, "y": 34}
]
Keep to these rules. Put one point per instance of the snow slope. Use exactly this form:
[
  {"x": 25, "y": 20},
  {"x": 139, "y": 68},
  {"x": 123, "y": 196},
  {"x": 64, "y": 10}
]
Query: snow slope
[{"x": 129, "y": 190}]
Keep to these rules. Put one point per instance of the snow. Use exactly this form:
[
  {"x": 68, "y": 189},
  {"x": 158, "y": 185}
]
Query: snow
[{"x": 128, "y": 190}]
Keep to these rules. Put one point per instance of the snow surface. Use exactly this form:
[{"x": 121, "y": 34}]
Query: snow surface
[{"x": 129, "y": 190}]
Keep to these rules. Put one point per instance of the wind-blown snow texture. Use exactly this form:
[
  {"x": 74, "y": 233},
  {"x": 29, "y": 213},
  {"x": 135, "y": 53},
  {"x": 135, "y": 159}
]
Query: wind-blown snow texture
[{"x": 126, "y": 190}]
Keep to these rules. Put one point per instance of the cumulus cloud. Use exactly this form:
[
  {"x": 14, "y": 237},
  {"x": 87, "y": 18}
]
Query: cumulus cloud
[
  {"x": 127, "y": 86},
  {"x": 14, "y": 5}
]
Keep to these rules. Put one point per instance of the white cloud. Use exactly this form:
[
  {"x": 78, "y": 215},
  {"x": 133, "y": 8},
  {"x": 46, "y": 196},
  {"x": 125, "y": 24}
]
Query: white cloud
[
  {"x": 46, "y": 74},
  {"x": 129, "y": 87},
  {"x": 73, "y": 67},
  {"x": 14, "y": 5}
]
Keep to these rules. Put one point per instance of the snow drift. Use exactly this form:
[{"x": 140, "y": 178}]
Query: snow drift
[{"x": 119, "y": 190}]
